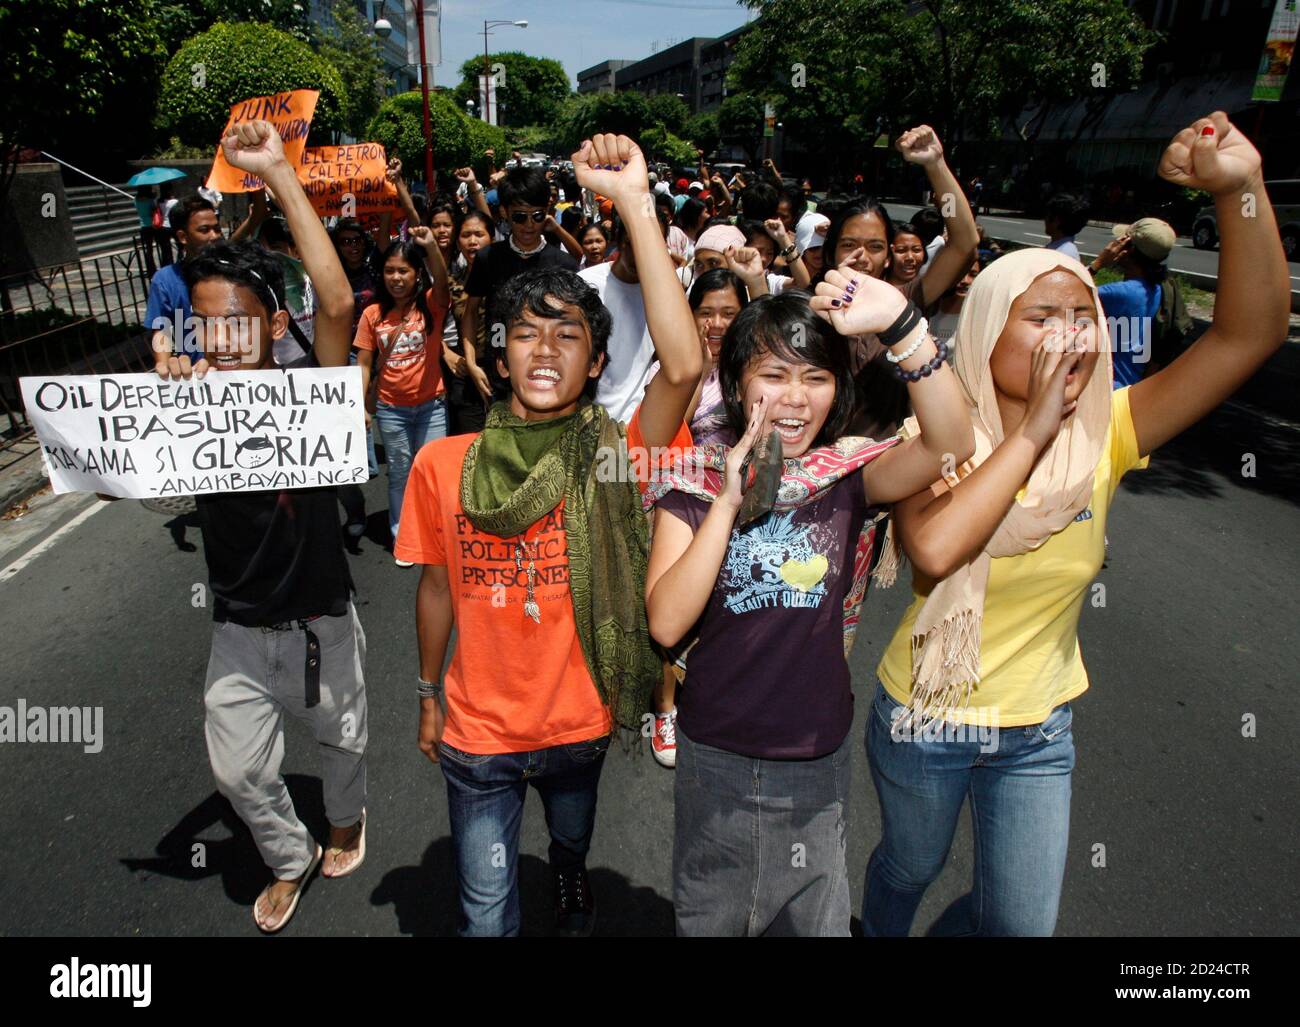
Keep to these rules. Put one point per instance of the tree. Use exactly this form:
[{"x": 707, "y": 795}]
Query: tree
[
  {"x": 73, "y": 74},
  {"x": 531, "y": 89},
  {"x": 963, "y": 66},
  {"x": 235, "y": 62},
  {"x": 669, "y": 112},
  {"x": 665, "y": 146},
  {"x": 177, "y": 20},
  {"x": 457, "y": 140},
  {"x": 702, "y": 130},
  {"x": 740, "y": 123},
  {"x": 353, "y": 49},
  {"x": 580, "y": 117}
]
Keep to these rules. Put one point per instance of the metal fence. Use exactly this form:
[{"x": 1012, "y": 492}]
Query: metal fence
[{"x": 84, "y": 317}]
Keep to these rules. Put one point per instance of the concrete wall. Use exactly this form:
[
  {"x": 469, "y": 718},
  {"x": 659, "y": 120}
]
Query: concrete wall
[{"x": 29, "y": 238}]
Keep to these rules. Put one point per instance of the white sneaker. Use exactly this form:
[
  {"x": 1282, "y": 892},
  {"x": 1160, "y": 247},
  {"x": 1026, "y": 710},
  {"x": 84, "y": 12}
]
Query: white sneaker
[
  {"x": 403, "y": 563},
  {"x": 664, "y": 742}
]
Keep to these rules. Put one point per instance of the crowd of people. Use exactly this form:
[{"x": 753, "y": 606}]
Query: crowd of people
[{"x": 799, "y": 398}]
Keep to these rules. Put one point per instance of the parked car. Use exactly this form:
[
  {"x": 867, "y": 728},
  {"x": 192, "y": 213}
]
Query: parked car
[{"x": 1285, "y": 195}]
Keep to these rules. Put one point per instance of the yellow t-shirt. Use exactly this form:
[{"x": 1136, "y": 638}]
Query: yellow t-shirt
[{"x": 1030, "y": 661}]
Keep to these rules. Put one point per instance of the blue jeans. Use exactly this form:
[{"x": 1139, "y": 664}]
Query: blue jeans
[
  {"x": 403, "y": 430},
  {"x": 1018, "y": 783},
  {"x": 485, "y": 800}
]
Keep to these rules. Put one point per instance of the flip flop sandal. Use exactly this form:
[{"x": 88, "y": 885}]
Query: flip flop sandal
[
  {"x": 293, "y": 902},
  {"x": 361, "y": 852}
]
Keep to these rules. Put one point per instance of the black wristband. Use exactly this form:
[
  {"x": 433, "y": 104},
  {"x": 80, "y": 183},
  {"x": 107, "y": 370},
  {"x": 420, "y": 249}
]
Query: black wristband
[{"x": 906, "y": 321}]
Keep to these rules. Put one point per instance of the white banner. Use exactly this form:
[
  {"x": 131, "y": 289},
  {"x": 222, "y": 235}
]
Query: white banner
[
  {"x": 432, "y": 33},
  {"x": 138, "y": 436}
]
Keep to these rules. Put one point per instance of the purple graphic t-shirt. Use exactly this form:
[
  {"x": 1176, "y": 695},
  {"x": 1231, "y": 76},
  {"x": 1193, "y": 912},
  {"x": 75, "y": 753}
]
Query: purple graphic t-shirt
[{"x": 768, "y": 677}]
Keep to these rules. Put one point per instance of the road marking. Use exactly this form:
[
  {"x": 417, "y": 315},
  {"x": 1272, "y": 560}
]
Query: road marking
[
  {"x": 1035, "y": 235},
  {"x": 40, "y": 547}
]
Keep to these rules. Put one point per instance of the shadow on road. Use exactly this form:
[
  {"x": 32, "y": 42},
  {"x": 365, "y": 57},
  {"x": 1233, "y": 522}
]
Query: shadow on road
[
  {"x": 425, "y": 899},
  {"x": 236, "y": 859},
  {"x": 1240, "y": 443}
]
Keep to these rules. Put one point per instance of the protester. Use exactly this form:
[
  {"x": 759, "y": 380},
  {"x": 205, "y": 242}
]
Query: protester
[
  {"x": 287, "y": 638},
  {"x": 927, "y": 223},
  {"x": 943, "y": 322},
  {"x": 1140, "y": 251},
  {"x": 538, "y": 558},
  {"x": 908, "y": 255},
  {"x": 299, "y": 296},
  {"x": 631, "y": 350},
  {"x": 1004, "y": 553},
  {"x": 594, "y": 239},
  {"x": 716, "y": 298},
  {"x": 167, "y": 309},
  {"x": 466, "y": 408},
  {"x": 1065, "y": 217},
  {"x": 766, "y": 706},
  {"x": 524, "y": 194},
  {"x": 862, "y": 235},
  {"x": 810, "y": 237},
  {"x": 395, "y": 345}
]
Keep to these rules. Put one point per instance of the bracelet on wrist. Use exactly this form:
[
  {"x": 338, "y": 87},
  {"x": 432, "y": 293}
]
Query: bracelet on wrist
[
  {"x": 789, "y": 251},
  {"x": 902, "y": 326},
  {"x": 926, "y": 369},
  {"x": 898, "y": 358},
  {"x": 428, "y": 689}
]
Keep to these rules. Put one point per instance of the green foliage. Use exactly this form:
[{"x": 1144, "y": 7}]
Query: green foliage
[
  {"x": 529, "y": 139},
  {"x": 740, "y": 122},
  {"x": 533, "y": 90},
  {"x": 661, "y": 145},
  {"x": 352, "y": 47},
  {"x": 176, "y": 150},
  {"x": 238, "y": 62},
  {"x": 702, "y": 130},
  {"x": 177, "y": 20},
  {"x": 457, "y": 140},
  {"x": 581, "y": 117},
  {"x": 960, "y": 65},
  {"x": 669, "y": 112},
  {"x": 73, "y": 72}
]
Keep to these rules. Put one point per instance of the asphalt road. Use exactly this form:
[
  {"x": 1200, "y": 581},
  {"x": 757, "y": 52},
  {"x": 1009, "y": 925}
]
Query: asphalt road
[
  {"x": 1197, "y": 822},
  {"x": 1198, "y": 265}
]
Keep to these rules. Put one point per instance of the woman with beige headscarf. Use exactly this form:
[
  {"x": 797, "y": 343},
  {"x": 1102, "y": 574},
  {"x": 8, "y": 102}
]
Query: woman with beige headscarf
[{"x": 978, "y": 679}]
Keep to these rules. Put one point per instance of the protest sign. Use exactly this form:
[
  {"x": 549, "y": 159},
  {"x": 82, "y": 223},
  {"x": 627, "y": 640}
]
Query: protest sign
[
  {"x": 347, "y": 180},
  {"x": 290, "y": 112},
  {"x": 138, "y": 437},
  {"x": 1278, "y": 49}
]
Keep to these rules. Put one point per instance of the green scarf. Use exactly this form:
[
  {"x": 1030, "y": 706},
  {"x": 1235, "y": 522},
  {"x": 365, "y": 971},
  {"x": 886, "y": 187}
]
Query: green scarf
[{"x": 515, "y": 473}]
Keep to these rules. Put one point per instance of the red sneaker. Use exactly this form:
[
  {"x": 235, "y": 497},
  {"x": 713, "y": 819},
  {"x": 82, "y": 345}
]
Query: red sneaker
[{"x": 664, "y": 742}]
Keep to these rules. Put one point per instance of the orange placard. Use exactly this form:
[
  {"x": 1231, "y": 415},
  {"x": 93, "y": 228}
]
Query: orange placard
[
  {"x": 289, "y": 112},
  {"x": 347, "y": 180}
]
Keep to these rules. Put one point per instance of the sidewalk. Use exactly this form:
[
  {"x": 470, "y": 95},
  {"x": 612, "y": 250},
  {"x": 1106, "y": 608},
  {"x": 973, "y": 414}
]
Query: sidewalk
[{"x": 22, "y": 473}]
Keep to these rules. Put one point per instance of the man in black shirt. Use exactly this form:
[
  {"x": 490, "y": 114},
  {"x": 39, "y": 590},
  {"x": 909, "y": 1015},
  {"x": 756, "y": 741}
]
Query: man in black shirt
[
  {"x": 286, "y": 637},
  {"x": 525, "y": 196}
]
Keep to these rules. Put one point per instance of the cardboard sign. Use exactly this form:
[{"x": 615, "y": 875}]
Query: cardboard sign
[
  {"x": 138, "y": 437},
  {"x": 290, "y": 113},
  {"x": 345, "y": 181}
]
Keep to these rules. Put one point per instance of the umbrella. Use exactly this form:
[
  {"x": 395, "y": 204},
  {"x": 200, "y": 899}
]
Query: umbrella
[{"x": 152, "y": 176}]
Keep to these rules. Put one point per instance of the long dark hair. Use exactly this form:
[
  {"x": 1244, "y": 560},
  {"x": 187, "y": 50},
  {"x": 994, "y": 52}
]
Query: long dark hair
[
  {"x": 773, "y": 324},
  {"x": 717, "y": 280},
  {"x": 866, "y": 205},
  {"x": 413, "y": 254}
]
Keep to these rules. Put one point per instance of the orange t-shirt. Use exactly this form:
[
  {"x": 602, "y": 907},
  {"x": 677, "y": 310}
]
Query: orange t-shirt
[
  {"x": 412, "y": 372},
  {"x": 513, "y": 685}
]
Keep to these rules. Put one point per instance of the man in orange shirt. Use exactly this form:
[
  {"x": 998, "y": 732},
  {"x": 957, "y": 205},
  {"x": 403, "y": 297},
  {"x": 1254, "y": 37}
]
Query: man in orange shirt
[{"x": 533, "y": 541}]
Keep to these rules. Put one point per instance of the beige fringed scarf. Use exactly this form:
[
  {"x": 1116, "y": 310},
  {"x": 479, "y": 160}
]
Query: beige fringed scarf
[{"x": 946, "y": 635}]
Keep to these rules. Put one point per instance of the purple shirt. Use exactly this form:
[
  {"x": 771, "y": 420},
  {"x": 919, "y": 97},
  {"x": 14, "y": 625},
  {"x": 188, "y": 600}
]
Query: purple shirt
[{"x": 768, "y": 678}]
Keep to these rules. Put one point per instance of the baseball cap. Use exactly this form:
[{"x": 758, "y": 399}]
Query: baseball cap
[
  {"x": 810, "y": 232},
  {"x": 682, "y": 183},
  {"x": 696, "y": 185},
  {"x": 1151, "y": 237}
]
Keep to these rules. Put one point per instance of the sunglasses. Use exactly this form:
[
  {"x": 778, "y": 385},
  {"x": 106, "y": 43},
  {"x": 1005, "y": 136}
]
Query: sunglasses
[
  {"x": 352, "y": 240},
  {"x": 519, "y": 217}
]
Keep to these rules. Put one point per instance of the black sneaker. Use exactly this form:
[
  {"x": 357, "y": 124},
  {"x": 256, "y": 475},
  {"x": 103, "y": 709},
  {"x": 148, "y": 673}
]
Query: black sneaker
[{"x": 575, "y": 906}]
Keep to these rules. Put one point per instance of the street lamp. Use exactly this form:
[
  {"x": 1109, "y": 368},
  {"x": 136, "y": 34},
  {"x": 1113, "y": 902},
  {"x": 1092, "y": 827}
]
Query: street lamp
[{"x": 487, "y": 63}]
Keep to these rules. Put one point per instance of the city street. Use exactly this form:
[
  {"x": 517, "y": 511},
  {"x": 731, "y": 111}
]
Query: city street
[{"x": 1180, "y": 825}]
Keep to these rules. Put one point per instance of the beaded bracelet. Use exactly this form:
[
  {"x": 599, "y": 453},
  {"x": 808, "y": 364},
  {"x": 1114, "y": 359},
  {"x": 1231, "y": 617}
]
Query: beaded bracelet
[
  {"x": 926, "y": 369},
  {"x": 898, "y": 358},
  {"x": 428, "y": 689}
]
